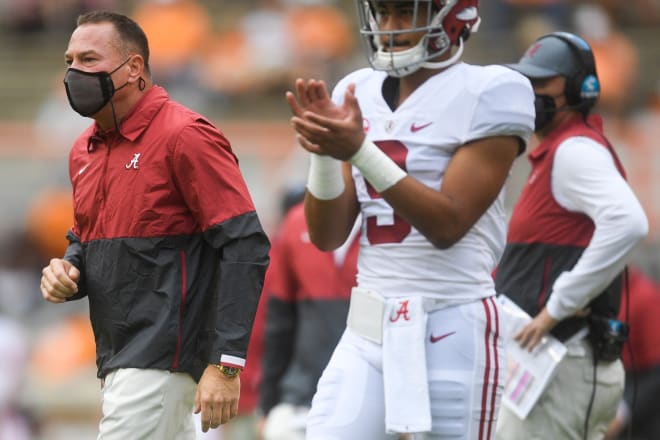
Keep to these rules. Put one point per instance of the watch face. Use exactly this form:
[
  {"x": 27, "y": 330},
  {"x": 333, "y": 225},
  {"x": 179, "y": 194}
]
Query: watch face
[{"x": 229, "y": 371}]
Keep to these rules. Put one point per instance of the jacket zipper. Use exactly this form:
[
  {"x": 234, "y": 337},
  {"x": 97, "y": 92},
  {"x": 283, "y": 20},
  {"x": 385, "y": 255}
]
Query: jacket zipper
[{"x": 104, "y": 188}]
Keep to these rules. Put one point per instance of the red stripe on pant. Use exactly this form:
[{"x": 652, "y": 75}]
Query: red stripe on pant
[
  {"x": 496, "y": 375},
  {"x": 492, "y": 328}
]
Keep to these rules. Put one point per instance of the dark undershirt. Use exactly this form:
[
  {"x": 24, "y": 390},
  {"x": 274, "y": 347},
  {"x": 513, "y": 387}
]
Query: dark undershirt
[{"x": 391, "y": 92}]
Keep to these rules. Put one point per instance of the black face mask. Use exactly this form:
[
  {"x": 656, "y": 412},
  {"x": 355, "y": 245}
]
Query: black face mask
[
  {"x": 545, "y": 108},
  {"x": 89, "y": 92}
]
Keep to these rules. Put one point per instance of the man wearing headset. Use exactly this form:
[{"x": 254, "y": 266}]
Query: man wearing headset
[{"x": 570, "y": 235}]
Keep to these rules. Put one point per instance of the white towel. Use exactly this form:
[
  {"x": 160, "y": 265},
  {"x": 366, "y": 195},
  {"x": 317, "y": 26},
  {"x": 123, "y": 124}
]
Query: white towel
[{"x": 407, "y": 401}]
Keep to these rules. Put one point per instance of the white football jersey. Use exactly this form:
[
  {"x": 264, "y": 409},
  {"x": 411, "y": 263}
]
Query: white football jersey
[{"x": 461, "y": 104}]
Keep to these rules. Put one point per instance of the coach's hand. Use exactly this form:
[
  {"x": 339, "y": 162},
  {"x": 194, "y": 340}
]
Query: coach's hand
[
  {"x": 530, "y": 336},
  {"x": 59, "y": 280},
  {"x": 217, "y": 398}
]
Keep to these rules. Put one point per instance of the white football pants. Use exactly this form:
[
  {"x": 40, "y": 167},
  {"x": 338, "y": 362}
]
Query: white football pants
[{"x": 465, "y": 373}]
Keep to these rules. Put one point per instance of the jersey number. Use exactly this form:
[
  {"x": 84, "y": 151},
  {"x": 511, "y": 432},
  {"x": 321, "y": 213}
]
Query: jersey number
[{"x": 399, "y": 229}]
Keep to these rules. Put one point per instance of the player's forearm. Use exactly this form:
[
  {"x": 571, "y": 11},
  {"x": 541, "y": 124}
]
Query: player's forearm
[
  {"x": 330, "y": 217},
  {"x": 330, "y": 221}
]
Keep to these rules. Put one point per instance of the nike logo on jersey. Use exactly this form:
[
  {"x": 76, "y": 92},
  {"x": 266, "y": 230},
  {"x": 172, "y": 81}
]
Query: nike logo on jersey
[
  {"x": 435, "y": 339},
  {"x": 415, "y": 128}
]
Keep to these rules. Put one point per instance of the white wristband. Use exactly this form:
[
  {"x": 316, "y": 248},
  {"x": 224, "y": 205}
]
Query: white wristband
[
  {"x": 379, "y": 170},
  {"x": 325, "y": 180}
]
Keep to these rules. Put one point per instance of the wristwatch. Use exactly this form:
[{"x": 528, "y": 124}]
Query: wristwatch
[{"x": 228, "y": 371}]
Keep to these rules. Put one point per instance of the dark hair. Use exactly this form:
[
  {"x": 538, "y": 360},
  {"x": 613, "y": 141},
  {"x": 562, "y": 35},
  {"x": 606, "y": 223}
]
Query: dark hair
[{"x": 131, "y": 35}]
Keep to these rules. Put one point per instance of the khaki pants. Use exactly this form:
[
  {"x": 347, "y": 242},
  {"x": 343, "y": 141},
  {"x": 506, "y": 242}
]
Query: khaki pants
[
  {"x": 561, "y": 410},
  {"x": 147, "y": 405}
]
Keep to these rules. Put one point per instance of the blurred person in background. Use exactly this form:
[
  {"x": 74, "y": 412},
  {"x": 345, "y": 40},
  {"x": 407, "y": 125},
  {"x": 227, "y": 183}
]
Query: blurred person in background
[
  {"x": 642, "y": 138},
  {"x": 617, "y": 60},
  {"x": 637, "y": 12},
  {"x": 61, "y": 388},
  {"x": 511, "y": 15},
  {"x": 22, "y": 317},
  {"x": 307, "y": 293},
  {"x": 55, "y": 125},
  {"x": 15, "y": 423},
  {"x": 570, "y": 236},
  {"x": 274, "y": 42},
  {"x": 166, "y": 243},
  {"x": 20, "y": 260},
  {"x": 252, "y": 55},
  {"x": 24, "y": 252},
  {"x": 420, "y": 145},
  {"x": 36, "y": 16},
  {"x": 177, "y": 31},
  {"x": 321, "y": 40},
  {"x": 637, "y": 415}
]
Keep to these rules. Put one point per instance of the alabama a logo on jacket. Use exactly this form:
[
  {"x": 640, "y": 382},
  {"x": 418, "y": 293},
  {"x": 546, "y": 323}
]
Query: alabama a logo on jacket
[{"x": 133, "y": 164}]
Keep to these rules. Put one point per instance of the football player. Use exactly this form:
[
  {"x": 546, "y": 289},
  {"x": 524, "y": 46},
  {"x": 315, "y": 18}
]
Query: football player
[{"x": 421, "y": 144}]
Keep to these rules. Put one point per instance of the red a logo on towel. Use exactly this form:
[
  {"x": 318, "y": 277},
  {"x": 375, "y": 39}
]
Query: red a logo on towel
[{"x": 403, "y": 311}]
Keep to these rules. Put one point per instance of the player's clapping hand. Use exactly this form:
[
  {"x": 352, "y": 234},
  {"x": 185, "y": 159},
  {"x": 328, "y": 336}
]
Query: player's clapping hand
[
  {"x": 324, "y": 127},
  {"x": 313, "y": 96},
  {"x": 59, "y": 280}
]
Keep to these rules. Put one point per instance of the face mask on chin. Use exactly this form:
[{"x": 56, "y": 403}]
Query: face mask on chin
[{"x": 89, "y": 92}]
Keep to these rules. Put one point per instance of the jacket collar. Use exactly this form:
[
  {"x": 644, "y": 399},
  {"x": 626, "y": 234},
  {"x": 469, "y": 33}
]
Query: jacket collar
[{"x": 138, "y": 118}]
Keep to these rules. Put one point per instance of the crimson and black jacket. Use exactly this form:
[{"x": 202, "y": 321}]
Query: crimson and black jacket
[
  {"x": 545, "y": 239},
  {"x": 171, "y": 251}
]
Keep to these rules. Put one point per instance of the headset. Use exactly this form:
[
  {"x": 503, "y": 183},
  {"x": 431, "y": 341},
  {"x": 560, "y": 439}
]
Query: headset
[{"x": 582, "y": 86}]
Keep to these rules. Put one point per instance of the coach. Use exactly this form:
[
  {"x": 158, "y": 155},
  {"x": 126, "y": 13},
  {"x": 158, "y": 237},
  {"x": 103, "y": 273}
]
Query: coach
[
  {"x": 166, "y": 243},
  {"x": 570, "y": 235}
]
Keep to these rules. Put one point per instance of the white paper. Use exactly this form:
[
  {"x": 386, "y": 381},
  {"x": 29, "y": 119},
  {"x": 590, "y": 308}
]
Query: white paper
[{"x": 527, "y": 374}]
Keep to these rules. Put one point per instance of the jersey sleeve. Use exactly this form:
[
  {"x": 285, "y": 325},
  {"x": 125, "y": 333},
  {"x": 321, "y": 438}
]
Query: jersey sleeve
[{"x": 505, "y": 107}]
